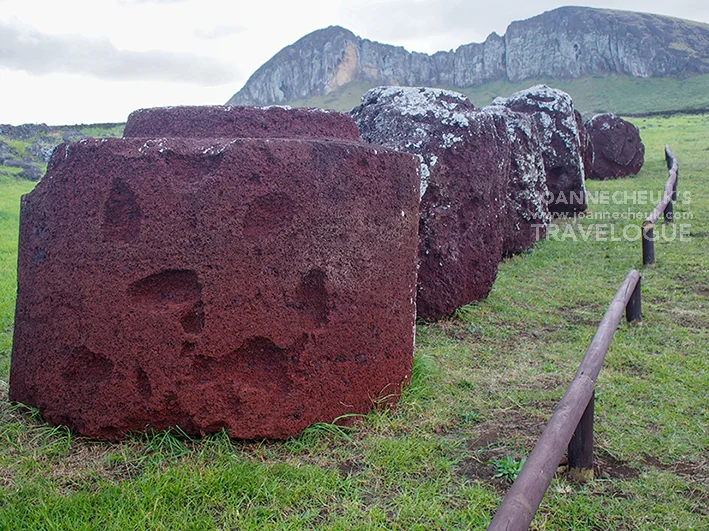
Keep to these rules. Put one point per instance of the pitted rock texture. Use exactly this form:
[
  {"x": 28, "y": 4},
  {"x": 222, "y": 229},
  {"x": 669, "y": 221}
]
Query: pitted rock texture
[
  {"x": 563, "y": 43},
  {"x": 527, "y": 214},
  {"x": 239, "y": 122},
  {"x": 618, "y": 148},
  {"x": 464, "y": 170},
  {"x": 254, "y": 285},
  {"x": 566, "y": 148}
]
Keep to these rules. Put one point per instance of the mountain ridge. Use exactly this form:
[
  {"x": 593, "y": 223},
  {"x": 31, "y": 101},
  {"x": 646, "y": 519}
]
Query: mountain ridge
[{"x": 564, "y": 43}]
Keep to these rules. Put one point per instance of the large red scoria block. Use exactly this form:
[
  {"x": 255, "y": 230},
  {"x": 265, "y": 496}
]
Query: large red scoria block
[
  {"x": 239, "y": 122},
  {"x": 618, "y": 148},
  {"x": 255, "y": 285},
  {"x": 465, "y": 163}
]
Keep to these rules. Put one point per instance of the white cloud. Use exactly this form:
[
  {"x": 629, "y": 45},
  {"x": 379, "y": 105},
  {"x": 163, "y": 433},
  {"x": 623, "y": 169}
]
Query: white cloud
[
  {"x": 218, "y": 32},
  {"x": 88, "y": 60},
  {"x": 34, "y": 52}
]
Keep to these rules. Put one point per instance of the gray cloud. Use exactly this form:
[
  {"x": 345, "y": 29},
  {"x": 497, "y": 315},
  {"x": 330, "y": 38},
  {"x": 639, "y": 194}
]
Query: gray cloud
[
  {"x": 38, "y": 53},
  {"x": 218, "y": 32},
  {"x": 465, "y": 21},
  {"x": 461, "y": 20},
  {"x": 135, "y": 2}
]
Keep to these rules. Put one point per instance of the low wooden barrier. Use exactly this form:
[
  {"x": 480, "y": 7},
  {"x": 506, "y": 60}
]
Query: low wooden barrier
[
  {"x": 664, "y": 207},
  {"x": 571, "y": 425}
]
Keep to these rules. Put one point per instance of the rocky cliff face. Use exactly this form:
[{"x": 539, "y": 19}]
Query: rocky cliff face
[
  {"x": 564, "y": 43},
  {"x": 576, "y": 41}
]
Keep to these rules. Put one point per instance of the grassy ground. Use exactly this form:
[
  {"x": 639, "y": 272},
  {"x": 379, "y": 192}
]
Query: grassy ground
[
  {"x": 485, "y": 382},
  {"x": 618, "y": 94}
]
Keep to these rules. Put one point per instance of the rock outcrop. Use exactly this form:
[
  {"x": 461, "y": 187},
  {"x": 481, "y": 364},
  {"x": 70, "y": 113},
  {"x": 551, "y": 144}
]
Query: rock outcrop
[
  {"x": 566, "y": 146},
  {"x": 564, "y": 43},
  {"x": 464, "y": 179},
  {"x": 618, "y": 148},
  {"x": 256, "y": 285}
]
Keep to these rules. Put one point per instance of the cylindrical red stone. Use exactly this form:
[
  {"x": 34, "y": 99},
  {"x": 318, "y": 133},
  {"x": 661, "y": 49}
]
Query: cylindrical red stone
[
  {"x": 618, "y": 148},
  {"x": 465, "y": 163},
  {"x": 255, "y": 285},
  {"x": 239, "y": 122}
]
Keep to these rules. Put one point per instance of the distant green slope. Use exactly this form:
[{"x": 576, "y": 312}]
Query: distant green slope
[
  {"x": 619, "y": 94},
  {"x": 25, "y": 149}
]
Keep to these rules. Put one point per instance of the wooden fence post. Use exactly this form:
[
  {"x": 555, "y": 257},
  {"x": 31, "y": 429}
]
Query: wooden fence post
[
  {"x": 673, "y": 169},
  {"x": 648, "y": 244},
  {"x": 633, "y": 311},
  {"x": 669, "y": 212},
  {"x": 581, "y": 447}
]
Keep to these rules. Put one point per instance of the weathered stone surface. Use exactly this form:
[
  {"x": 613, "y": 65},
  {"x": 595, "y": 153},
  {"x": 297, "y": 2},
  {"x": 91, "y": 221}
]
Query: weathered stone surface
[
  {"x": 563, "y": 43},
  {"x": 239, "y": 122},
  {"x": 527, "y": 213},
  {"x": 565, "y": 145},
  {"x": 256, "y": 285},
  {"x": 618, "y": 148},
  {"x": 587, "y": 153},
  {"x": 464, "y": 171}
]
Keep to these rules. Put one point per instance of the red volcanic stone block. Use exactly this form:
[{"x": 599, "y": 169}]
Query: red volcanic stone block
[
  {"x": 527, "y": 213},
  {"x": 254, "y": 285},
  {"x": 239, "y": 122},
  {"x": 619, "y": 150},
  {"x": 464, "y": 171},
  {"x": 566, "y": 147}
]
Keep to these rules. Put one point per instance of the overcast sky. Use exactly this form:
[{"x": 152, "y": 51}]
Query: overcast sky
[{"x": 87, "y": 61}]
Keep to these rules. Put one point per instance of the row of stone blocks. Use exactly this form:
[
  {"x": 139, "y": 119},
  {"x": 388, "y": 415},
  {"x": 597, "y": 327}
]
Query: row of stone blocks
[{"x": 255, "y": 269}]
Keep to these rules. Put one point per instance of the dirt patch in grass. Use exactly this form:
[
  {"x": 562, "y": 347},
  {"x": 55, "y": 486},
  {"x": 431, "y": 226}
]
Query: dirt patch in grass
[
  {"x": 608, "y": 467},
  {"x": 7, "y": 478},
  {"x": 483, "y": 440},
  {"x": 690, "y": 470},
  {"x": 581, "y": 314},
  {"x": 348, "y": 467},
  {"x": 478, "y": 470},
  {"x": 700, "y": 503},
  {"x": 494, "y": 438}
]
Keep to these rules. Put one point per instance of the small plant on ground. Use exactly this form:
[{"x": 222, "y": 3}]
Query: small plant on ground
[{"x": 507, "y": 468}]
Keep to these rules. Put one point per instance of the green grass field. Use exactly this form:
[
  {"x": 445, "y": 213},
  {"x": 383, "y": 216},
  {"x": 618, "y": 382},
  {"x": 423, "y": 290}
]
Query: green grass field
[
  {"x": 618, "y": 94},
  {"x": 485, "y": 382}
]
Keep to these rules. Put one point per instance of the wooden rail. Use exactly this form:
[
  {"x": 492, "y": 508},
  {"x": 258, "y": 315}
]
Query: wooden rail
[
  {"x": 664, "y": 207},
  {"x": 571, "y": 425}
]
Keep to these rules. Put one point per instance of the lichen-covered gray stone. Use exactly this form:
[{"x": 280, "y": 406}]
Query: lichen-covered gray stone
[
  {"x": 465, "y": 163},
  {"x": 566, "y": 147},
  {"x": 527, "y": 214}
]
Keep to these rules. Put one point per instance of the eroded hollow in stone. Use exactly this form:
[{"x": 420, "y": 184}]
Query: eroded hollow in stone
[
  {"x": 268, "y": 213},
  {"x": 122, "y": 216},
  {"x": 313, "y": 299},
  {"x": 193, "y": 320},
  {"x": 172, "y": 287},
  {"x": 83, "y": 365}
]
